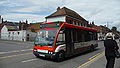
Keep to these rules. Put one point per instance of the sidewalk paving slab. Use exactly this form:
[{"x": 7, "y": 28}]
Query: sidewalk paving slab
[{"x": 101, "y": 62}]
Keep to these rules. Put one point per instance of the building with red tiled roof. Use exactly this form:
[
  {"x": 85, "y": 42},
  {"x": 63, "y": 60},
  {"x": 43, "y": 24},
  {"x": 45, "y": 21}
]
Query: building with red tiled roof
[
  {"x": 32, "y": 30},
  {"x": 67, "y": 15},
  {"x": 1, "y": 27},
  {"x": 102, "y": 30},
  {"x": 13, "y": 30},
  {"x": 1, "y": 20},
  {"x": 34, "y": 27},
  {"x": 116, "y": 33}
]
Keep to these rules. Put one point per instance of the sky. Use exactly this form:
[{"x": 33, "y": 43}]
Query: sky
[{"x": 102, "y": 12}]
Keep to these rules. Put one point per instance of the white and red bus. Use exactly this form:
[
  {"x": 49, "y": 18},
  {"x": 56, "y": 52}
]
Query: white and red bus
[{"x": 59, "y": 40}]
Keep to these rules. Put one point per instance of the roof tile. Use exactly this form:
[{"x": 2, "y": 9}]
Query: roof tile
[{"x": 65, "y": 11}]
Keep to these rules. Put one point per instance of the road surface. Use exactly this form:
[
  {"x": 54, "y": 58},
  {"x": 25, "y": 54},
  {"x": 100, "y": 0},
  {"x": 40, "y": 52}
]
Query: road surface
[{"x": 15, "y": 54}]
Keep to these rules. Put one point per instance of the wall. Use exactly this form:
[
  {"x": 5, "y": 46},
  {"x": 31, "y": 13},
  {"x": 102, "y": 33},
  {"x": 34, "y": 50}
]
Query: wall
[
  {"x": 68, "y": 19},
  {"x": 21, "y": 35},
  {"x": 17, "y": 35},
  {"x": 59, "y": 18},
  {"x": 30, "y": 36},
  {"x": 4, "y": 33},
  {"x": 75, "y": 21}
]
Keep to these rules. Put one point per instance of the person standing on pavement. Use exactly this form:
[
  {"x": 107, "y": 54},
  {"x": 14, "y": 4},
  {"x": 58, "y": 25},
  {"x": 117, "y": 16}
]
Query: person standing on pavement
[{"x": 110, "y": 45}]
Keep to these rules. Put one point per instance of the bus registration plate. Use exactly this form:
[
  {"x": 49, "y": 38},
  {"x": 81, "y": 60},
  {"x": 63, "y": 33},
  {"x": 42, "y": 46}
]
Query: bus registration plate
[
  {"x": 43, "y": 51},
  {"x": 42, "y": 55}
]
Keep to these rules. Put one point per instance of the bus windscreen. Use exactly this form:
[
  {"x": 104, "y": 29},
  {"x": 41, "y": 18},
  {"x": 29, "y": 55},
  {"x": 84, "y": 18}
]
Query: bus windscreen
[{"x": 46, "y": 37}]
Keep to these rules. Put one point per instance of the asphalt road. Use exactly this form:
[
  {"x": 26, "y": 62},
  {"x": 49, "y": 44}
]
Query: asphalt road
[{"x": 14, "y": 54}]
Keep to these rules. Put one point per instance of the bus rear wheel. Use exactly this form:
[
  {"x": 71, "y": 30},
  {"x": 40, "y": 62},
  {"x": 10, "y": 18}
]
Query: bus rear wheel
[
  {"x": 92, "y": 48},
  {"x": 61, "y": 56}
]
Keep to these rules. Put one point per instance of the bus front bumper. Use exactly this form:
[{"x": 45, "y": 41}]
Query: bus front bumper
[{"x": 52, "y": 55}]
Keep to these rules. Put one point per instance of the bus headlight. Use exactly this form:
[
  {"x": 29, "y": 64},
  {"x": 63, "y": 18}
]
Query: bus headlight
[
  {"x": 50, "y": 52},
  {"x": 34, "y": 49}
]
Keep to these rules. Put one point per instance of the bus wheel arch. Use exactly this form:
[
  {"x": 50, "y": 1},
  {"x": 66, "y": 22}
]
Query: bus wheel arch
[
  {"x": 36, "y": 55},
  {"x": 61, "y": 55},
  {"x": 92, "y": 47}
]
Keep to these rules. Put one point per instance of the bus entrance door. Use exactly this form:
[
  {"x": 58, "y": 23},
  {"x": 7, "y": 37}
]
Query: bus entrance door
[{"x": 69, "y": 42}]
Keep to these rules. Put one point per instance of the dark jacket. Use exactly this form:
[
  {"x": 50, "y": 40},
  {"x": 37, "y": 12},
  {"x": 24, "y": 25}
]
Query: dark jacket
[{"x": 110, "y": 46}]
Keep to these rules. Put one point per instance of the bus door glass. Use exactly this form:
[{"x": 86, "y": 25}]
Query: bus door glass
[
  {"x": 69, "y": 41},
  {"x": 61, "y": 38}
]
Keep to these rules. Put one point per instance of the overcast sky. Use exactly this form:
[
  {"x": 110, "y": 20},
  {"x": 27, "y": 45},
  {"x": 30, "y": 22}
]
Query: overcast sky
[{"x": 100, "y": 11}]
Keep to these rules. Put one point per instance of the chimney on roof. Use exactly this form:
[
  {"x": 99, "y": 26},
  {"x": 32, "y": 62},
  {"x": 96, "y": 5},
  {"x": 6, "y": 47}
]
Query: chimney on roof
[
  {"x": 58, "y": 8},
  {"x": 26, "y": 21},
  {"x": 93, "y": 23},
  {"x": 105, "y": 26},
  {"x": 2, "y": 20}
]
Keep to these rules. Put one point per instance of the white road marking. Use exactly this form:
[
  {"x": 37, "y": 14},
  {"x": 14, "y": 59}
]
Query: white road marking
[
  {"x": 29, "y": 60},
  {"x": 15, "y": 51},
  {"x": 4, "y": 57}
]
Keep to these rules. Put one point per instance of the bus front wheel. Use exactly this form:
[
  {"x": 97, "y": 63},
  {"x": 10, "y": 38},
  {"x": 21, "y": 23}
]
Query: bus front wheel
[{"x": 61, "y": 56}]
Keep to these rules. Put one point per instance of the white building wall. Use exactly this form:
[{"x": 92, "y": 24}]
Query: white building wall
[
  {"x": 38, "y": 33},
  {"x": 60, "y": 18},
  {"x": 24, "y": 32},
  {"x": 4, "y": 33},
  {"x": 17, "y": 35},
  {"x": 31, "y": 36},
  {"x": 20, "y": 35}
]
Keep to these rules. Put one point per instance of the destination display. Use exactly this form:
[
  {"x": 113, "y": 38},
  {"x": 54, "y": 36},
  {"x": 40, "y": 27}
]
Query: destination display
[{"x": 49, "y": 25}]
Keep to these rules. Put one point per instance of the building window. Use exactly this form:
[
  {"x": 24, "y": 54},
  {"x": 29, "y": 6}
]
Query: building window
[
  {"x": 27, "y": 34},
  {"x": 13, "y": 33},
  {"x": 8, "y": 35},
  {"x": 70, "y": 21},
  {"x": 73, "y": 22},
  {"x": 81, "y": 24},
  {"x": 84, "y": 25},
  {"x": 78, "y": 24},
  {"x": 9, "y": 32},
  {"x": 18, "y": 33}
]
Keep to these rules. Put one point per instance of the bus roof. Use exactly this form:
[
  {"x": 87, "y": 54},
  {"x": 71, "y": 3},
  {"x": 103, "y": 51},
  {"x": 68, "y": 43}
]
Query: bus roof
[
  {"x": 72, "y": 25},
  {"x": 79, "y": 27}
]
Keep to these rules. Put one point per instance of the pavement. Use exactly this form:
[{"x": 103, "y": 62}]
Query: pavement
[{"x": 100, "y": 61}]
